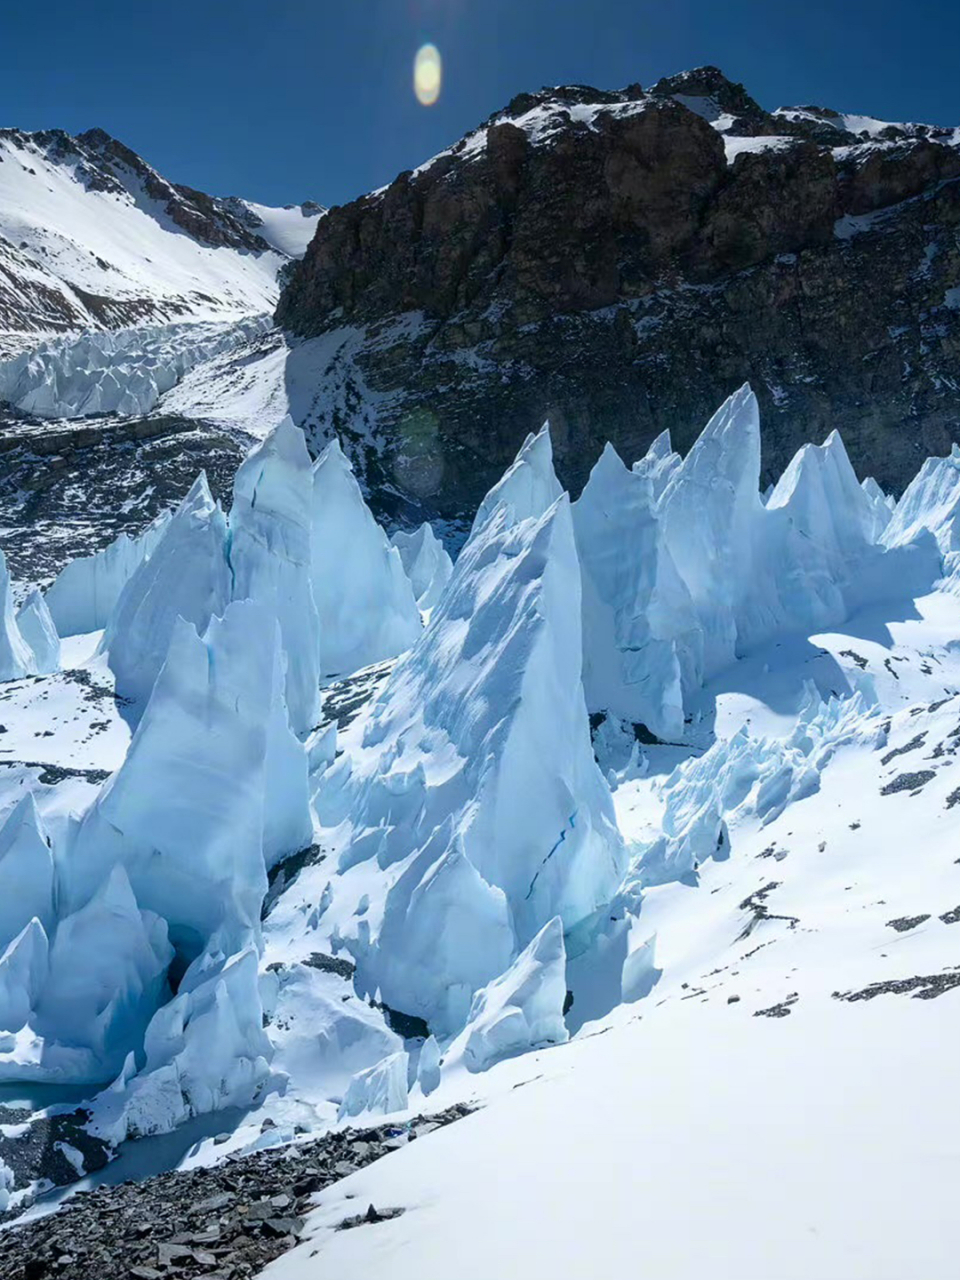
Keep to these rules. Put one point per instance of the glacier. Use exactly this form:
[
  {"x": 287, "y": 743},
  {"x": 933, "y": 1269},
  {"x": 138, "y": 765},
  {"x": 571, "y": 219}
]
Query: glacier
[
  {"x": 115, "y": 371},
  {"x": 440, "y": 819}
]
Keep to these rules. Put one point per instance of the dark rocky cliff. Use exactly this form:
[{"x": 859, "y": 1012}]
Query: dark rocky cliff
[{"x": 619, "y": 262}]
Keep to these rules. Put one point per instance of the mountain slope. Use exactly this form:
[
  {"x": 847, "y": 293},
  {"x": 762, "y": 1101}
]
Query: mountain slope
[
  {"x": 620, "y": 261},
  {"x": 92, "y": 236}
]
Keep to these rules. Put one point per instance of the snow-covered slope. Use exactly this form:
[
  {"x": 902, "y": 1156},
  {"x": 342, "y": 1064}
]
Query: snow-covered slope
[{"x": 92, "y": 237}]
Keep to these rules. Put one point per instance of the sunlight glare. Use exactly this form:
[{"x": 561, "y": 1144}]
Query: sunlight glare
[{"x": 427, "y": 74}]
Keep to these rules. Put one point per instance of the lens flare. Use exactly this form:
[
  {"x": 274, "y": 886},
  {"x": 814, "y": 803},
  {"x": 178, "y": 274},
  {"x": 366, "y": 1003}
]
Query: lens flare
[{"x": 427, "y": 74}]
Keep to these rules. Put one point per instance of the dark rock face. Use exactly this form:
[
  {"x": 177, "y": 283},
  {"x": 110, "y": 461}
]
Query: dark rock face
[
  {"x": 620, "y": 262},
  {"x": 69, "y": 489}
]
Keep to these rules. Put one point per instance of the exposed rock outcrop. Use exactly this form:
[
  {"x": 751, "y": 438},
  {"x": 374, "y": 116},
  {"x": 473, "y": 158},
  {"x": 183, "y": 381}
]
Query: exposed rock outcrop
[{"x": 621, "y": 261}]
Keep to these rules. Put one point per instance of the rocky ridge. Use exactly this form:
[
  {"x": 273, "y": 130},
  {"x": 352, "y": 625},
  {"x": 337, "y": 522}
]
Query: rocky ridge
[{"x": 619, "y": 262}]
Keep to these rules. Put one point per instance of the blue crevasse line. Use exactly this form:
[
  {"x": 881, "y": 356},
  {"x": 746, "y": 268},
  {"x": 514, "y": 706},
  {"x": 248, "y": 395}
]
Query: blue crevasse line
[
  {"x": 227, "y": 548},
  {"x": 572, "y": 820}
]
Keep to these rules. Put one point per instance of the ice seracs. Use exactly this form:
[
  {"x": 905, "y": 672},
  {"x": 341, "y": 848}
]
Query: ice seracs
[
  {"x": 520, "y": 1010},
  {"x": 658, "y": 463},
  {"x": 107, "y": 967},
  {"x": 213, "y": 788},
  {"x": 204, "y": 1051},
  {"x": 367, "y": 608},
  {"x": 23, "y": 972},
  {"x": 528, "y": 487},
  {"x": 745, "y": 773},
  {"x": 269, "y": 557},
  {"x": 881, "y": 506},
  {"x": 685, "y": 569},
  {"x": 635, "y": 608},
  {"x": 381, "y": 1088},
  {"x": 931, "y": 505},
  {"x": 26, "y": 871},
  {"x": 475, "y": 789},
  {"x": 710, "y": 511},
  {"x": 426, "y": 563},
  {"x": 186, "y": 576},
  {"x": 40, "y": 633},
  {"x": 16, "y": 656},
  {"x": 83, "y": 595}
]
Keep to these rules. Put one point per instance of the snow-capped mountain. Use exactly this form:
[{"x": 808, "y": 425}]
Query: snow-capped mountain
[{"x": 91, "y": 236}]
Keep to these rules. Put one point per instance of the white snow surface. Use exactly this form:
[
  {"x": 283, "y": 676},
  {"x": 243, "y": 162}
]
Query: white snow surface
[{"x": 289, "y": 228}]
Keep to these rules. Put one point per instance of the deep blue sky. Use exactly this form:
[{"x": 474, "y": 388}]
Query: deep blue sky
[{"x": 284, "y": 100}]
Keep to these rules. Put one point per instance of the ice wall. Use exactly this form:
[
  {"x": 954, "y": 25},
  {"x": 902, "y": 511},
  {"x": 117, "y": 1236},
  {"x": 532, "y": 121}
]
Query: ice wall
[
  {"x": 186, "y": 576},
  {"x": 476, "y": 781},
  {"x": 16, "y": 656},
  {"x": 83, "y": 595},
  {"x": 269, "y": 557},
  {"x": 364, "y": 599},
  {"x": 425, "y": 562}
]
